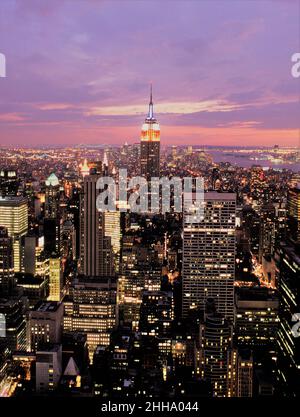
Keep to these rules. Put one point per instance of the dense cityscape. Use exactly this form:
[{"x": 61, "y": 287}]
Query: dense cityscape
[
  {"x": 121, "y": 304},
  {"x": 149, "y": 207}
]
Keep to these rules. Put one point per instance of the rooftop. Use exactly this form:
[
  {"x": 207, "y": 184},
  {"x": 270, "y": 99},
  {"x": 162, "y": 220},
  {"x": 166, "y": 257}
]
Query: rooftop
[{"x": 47, "y": 306}]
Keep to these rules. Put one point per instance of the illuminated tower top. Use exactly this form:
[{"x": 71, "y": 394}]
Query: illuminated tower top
[
  {"x": 150, "y": 128},
  {"x": 150, "y": 113},
  {"x": 84, "y": 168}
]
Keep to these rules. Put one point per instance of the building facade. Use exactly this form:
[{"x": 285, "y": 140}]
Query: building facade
[{"x": 209, "y": 255}]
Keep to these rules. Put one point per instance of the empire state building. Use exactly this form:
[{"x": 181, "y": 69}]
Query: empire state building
[{"x": 150, "y": 144}]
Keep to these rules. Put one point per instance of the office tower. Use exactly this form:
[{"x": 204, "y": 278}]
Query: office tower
[
  {"x": 217, "y": 359},
  {"x": 9, "y": 183},
  {"x": 156, "y": 314},
  {"x": 256, "y": 322},
  {"x": 244, "y": 375},
  {"x": 118, "y": 360},
  {"x": 130, "y": 288},
  {"x": 6, "y": 262},
  {"x": 156, "y": 317},
  {"x": 52, "y": 219},
  {"x": 14, "y": 216},
  {"x": 91, "y": 308},
  {"x": 251, "y": 224},
  {"x": 48, "y": 367},
  {"x": 293, "y": 214},
  {"x": 209, "y": 255},
  {"x": 74, "y": 210},
  {"x": 52, "y": 236},
  {"x": 287, "y": 258},
  {"x": 69, "y": 240},
  {"x": 112, "y": 230},
  {"x": 267, "y": 232},
  {"x": 44, "y": 324},
  {"x": 55, "y": 279},
  {"x": 34, "y": 288},
  {"x": 34, "y": 260},
  {"x": 150, "y": 145},
  {"x": 13, "y": 309},
  {"x": 95, "y": 247},
  {"x": 51, "y": 196}
]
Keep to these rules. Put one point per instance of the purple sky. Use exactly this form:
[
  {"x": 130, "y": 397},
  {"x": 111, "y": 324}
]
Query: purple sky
[{"x": 79, "y": 71}]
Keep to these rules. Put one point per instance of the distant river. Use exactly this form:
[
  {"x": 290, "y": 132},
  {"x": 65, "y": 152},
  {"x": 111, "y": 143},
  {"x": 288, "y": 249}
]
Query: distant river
[{"x": 245, "y": 161}]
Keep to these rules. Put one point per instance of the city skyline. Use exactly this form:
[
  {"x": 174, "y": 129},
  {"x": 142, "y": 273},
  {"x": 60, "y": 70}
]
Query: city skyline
[
  {"x": 81, "y": 74},
  {"x": 149, "y": 204}
]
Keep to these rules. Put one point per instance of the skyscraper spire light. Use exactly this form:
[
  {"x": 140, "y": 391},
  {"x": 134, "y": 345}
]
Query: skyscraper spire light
[
  {"x": 150, "y": 144},
  {"x": 150, "y": 113}
]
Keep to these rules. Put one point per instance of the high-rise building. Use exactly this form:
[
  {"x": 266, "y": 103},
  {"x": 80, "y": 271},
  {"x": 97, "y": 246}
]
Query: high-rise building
[
  {"x": 48, "y": 367},
  {"x": 34, "y": 260},
  {"x": 95, "y": 247},
  {"x": 267, "y": 231},
  {"x": 216, "y": 355},
  {"x": 51, "y": 196},
  {"x": 6, "y": 262},
  {"x": 14, "y": 216},
  {"x": 34, "y": 288},
  {"x": 256, "y": 321},
  {"x": 55, "y": 279},
  {"x": 91, "y": 308},
  {"x": 244, "y": 375},
  {"x": 44, "y": 324},
  {"x": 13, "y": 309},
  {"x": 112, "y": 230},
  {"x": 293, "y": 213},
  {"x": 52, "y": 235},
  {"x": 157, "y": 313},
  {"x": 150, "y": 145},
  {"x": 209, "y": 255},
  {"x": 9, "y": 182},
  {"x": 287, "y": 259}
]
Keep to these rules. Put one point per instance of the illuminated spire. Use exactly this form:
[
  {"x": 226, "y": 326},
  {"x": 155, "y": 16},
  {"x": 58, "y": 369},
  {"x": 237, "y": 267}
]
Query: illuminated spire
[
  {"x": 84, "y": 168},
  {"x": 150, "y": 113}
]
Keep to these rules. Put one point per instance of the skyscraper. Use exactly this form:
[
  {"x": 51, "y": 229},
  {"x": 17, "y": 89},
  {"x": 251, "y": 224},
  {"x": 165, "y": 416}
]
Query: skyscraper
[
  {"x": 52, "y": 224},
  {"x": 55, "y": 279},
  {"x": 95, "y": 247},
  {"x": 14, "y": 216},
  {"x": 209, "y": 255},
  {"x": 293, "y": 212},
  {"x": 44, "y": 324},
  {"x": 288, "y": 266},
  {"x": 6, "y": 261},
  {"x": 51, "y": 196},
  {"x": 112, "y": 230},
  {"x": 216, "y": 354},
  {"x": 91, "y": 308},
  {"x": 150, "y": 145}
]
